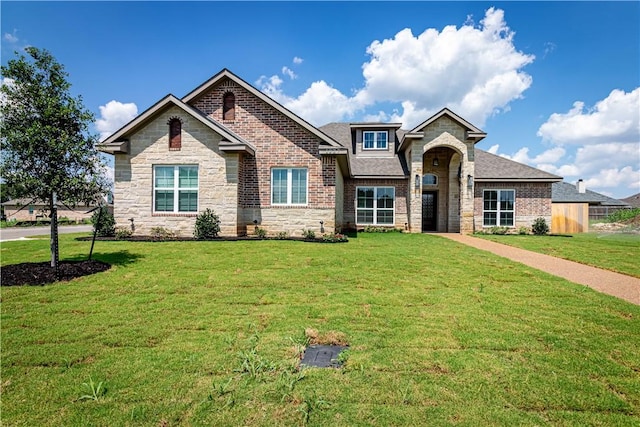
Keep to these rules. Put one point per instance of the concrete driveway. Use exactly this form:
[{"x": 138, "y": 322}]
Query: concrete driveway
[{"x": 18, "y": 233}]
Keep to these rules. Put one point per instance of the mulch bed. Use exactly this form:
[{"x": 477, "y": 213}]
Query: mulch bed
[{"x": 41, "y": 273}]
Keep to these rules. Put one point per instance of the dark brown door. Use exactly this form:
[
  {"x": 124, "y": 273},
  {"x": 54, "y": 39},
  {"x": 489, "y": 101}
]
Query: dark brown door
[{"x": 430, "y": 211}]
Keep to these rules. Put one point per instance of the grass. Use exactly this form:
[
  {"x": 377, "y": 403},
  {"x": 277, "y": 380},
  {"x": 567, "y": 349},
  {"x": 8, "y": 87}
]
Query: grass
[
  {"x": 209, "y": 333},
  {"x": 613, "y": 251}
]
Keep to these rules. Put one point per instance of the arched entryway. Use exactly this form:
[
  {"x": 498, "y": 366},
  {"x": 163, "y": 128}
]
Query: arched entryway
[{"x": 441, "y": 167}]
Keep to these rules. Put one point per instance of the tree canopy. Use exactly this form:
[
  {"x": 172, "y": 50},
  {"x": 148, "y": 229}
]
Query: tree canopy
[{"x": 44, "y": 133}]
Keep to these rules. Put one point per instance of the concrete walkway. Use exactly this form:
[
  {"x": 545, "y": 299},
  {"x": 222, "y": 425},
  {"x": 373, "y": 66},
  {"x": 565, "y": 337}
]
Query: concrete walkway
[
  {"x": 20, "y": 233},
  {"x": 608, "y": 282}
]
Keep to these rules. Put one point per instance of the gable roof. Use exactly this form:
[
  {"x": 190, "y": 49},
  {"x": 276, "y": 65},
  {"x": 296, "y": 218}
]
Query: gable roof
[
  {"x": 370, "y": 167},
  {"x": 563, "y": 192},
  {"x": 471, "y": 132},
  {"x": 490, "y": 167},
  {"x": 118, "y": 143},
  {"x": 226, "y": 74}
]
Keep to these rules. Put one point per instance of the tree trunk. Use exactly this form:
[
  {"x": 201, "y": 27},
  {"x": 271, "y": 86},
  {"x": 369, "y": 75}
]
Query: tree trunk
[{"x": 54, "y": 233}]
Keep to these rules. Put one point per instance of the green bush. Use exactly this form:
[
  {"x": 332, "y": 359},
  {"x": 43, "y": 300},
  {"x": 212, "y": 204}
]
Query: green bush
[
  {"x": 161, "y": 233},
  {"x": 207, "y": 225},
  {"x": 523, "y": 231},
  {"x": 123, "y": 233},
  {"x": 498, "y": 230},
  {"x": 261, "y": 232},
  {"x": 540, "y": 227},
  {"x": 308, "y": 234},
  {"x": 107, "y": 226}
]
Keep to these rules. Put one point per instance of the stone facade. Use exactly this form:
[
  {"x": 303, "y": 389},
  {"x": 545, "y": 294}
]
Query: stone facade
[
  {"x": 455, "y": 201},
  {"x": 149, "y": 147}
]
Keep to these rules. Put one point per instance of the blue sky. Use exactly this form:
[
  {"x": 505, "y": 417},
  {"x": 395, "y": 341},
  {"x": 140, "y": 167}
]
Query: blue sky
[{"x": 554, "y": 84}]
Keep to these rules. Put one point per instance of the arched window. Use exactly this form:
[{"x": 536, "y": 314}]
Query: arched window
[
  {"x": 175, "y": 134},
  {"x": 229, "y": 106},
  {"x": 429, "y": 179}
]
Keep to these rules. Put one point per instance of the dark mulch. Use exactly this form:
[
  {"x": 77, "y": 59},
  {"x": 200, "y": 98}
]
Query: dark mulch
[{"x": 41, "y": 273}]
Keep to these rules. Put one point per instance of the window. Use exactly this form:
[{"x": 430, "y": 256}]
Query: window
[
  {"x": 229, "y": 106},
  {"x": 374, "y": 140},
  {"x": 375, "y": 205},
  {"x": 430, "y": 179},
  {"x": 175, "y": 189},
  {"x": 498, "y": 208},
  {"x": 175, "y": 134},
  {"x": 289, "y": 186}
]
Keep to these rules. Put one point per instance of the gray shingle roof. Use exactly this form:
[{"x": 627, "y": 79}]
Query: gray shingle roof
[
  {"x": 633, "y": 201},
  {"x": 563, "y": 192},
  {"x": 389, "y": 167},
  {"x": 492, "y": 167}
]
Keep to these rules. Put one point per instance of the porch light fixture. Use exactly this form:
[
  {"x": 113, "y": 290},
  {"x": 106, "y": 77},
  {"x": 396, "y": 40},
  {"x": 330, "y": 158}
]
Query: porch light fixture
[
  {"x": 469, "y": 181},
  {"x": 435, "y": 161},
  {"x": 417, "y": 184}
]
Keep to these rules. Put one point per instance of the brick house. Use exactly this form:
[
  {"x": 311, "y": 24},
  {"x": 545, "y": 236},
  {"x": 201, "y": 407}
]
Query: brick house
[{"x": 229, "y": 147}]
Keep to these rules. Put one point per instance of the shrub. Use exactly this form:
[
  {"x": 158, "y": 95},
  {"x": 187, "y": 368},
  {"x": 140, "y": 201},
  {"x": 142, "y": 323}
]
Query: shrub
[
  {"x": 161, "y": 233},
  {"x": 107, "y": 226},
  {"x": 308, "y": 234},
  {"x": 523, "y": 230},
  {"x": 282, "y": 235},
  {"x": 498, "y": 230},
  {"x": 333, "y": 238},
  {"x": 207, "y": 225},
  {"x": 260, "y": 232},
  {"x": 540, "y": 227},
  {"x": 123, "y": 232}
]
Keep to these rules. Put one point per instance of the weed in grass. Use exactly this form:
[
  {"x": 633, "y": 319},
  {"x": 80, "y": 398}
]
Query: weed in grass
[
  {"x": 311, "y": 405},
  {"x": 93, "y": 390},
  {"x": 220, "y": 389},
  {"x": 287, "y": 381}
]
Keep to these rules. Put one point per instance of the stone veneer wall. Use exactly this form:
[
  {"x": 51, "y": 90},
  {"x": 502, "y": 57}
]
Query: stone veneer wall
[
  {"x": 401, "y": 189},
  {"x": 533, "y": 200},
  {"x": 217, "y": 176},
  {"x": 279, "y": 142},
  {"x": 444, "y": 132}
]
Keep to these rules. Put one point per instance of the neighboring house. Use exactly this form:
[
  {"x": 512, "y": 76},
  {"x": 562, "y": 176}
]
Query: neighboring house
[
  {"x": 30, "y": 210},
  {"x": 574, "y": 206},
  {"x": 633, "y": 201},
  {"x": 229, "y": 147}
]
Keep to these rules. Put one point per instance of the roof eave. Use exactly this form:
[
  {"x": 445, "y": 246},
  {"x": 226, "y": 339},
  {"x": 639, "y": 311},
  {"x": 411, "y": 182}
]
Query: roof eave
[
  {"x": 476, "y": 179},
  {"x": 118, "y": 147}
]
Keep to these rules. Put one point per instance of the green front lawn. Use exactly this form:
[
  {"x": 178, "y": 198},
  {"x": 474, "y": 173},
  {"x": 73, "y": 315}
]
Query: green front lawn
[
  {"x": 616, "y": 252},
  {"x": 207, "y": 333}
]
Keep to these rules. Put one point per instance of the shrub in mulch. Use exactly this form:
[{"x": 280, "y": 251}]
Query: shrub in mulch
[{"x": 41, "y": 273}]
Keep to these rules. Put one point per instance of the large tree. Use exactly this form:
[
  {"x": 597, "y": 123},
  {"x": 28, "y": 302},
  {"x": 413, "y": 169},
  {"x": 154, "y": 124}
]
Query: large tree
[{"x": 48, "y": 152}]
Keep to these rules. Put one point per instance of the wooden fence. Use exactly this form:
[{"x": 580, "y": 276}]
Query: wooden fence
[{"x": 567, "y": 218}]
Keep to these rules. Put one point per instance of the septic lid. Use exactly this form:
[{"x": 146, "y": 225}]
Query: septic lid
[{"x": 323, "y": 356}]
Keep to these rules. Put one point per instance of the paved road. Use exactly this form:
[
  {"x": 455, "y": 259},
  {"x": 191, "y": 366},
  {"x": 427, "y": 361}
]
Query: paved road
[
  {"x": 17, "y": 233},
  {"x": 608, "y": 282}
]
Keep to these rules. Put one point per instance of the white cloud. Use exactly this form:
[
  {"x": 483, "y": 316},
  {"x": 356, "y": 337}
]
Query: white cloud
[
  {"x": 297, "y": 60},
  {"x": 114, "y": 115},
  {"x": 615, "y": 118},
  {"x": 474, "y": 70},
  {"x": 321, "y": 104},
  {"x": 11, "y": 37},
  {"x": 600, "y": 145},
  {"x": 289, "y": 73}
]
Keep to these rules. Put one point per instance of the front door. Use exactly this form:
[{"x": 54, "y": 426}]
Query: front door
[{"x": 430, "y": 211}]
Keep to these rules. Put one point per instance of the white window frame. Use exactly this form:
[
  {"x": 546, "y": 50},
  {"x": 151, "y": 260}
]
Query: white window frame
[
  {"x": 290, "y": 186},
  {"x": 498, "y": 210},
  {"x": 375, "y": 133},
  {"x": 375, "y": 206},
  {"x": 176, "y": 189}
]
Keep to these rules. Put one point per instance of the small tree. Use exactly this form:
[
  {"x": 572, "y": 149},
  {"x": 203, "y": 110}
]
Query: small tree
[
  {"x": 540, "y": 227},
  {"x": 47, "y": 151},
  {"x": 207, "y": 225}
]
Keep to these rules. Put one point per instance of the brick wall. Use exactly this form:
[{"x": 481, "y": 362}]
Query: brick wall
[
  {"x": 533, "y": 200},
  {"x": 279, "y": 142},
  {"x": 401, "y": 193}
]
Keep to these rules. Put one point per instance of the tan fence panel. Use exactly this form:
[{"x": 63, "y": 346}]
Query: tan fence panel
[{"x": 567, "y": 218}]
